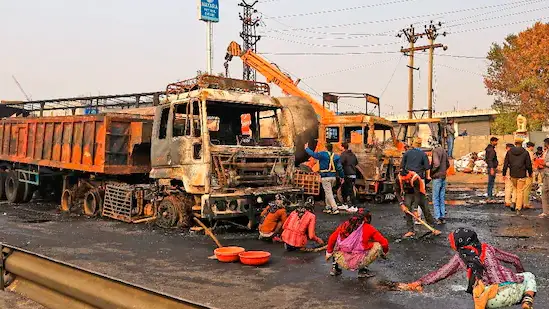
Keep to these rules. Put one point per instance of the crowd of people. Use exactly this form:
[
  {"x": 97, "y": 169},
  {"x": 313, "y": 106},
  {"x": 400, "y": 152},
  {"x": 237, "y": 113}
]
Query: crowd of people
[
  {"x": 356, "y": 243},
  {"x": 523, "y": 169}
]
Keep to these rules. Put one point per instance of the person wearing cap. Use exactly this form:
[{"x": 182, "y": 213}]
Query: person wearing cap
[
  {"x": 416, "y": 159},
  {"x": 509, "y": 190},
  {"x": 330, "y": 169},
  {"x": 409, "y": 190},
  {"x": 545, "y": 179},
  {"x": 492, "y": 164},
  {"x": 272, "y": 220},
  {"x": 529, "y": 180},
  {"x": 517, "y": 160}
]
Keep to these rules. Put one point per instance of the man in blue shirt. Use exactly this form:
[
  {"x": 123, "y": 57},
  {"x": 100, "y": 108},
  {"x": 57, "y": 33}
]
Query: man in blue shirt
[
  {"x": 416, "y": 160},
  {"x": 330, "y": 167}
]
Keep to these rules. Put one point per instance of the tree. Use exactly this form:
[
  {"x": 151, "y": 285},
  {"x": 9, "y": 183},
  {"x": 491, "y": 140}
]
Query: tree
[
  {"x": 505, "y": 121},
  {"x": 518, "y": 74}
]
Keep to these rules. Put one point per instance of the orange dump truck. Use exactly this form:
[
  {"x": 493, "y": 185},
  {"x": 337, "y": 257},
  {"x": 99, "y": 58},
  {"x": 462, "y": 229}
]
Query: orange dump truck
[{"x": 188, "y": 156}]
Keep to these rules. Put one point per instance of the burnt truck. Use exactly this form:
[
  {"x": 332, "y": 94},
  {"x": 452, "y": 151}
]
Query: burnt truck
[{"x": 200, "y": 152}]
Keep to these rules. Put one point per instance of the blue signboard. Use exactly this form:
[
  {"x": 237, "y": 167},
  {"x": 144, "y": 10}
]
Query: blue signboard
[{"x": 209, "y": 10}]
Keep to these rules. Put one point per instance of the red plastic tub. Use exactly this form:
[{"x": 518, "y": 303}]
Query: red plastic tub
[
  {"x": 228, "y": 254},
  {"x": 254, "y": 258}
]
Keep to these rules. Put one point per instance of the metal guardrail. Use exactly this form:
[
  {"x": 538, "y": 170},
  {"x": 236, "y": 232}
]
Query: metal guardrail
[{"x": 59, "y": 285}]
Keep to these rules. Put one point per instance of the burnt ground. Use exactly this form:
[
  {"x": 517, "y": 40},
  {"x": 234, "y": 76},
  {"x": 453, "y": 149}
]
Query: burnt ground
[{"x": 176, "y": 262}]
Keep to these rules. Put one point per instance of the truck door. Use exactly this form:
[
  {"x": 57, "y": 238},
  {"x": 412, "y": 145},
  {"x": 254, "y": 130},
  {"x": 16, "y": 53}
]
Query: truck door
[
  {"x": 162, "y": 136},
  {"x": 187, "y": 143}
]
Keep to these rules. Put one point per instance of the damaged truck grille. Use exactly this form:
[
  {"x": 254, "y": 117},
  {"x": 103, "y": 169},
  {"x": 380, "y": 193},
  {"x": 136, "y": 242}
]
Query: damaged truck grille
[{"x": 251, "y": 170}]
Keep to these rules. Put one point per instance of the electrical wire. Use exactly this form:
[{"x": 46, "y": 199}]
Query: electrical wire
[
  {"x": 360, "y": 53},
  {"x": 343, "y": 9},
  {"x": 412, "y": 17},
  {"x": 355, "y": 67},
  {"x": 498, "y": 17},
  {"x": 391, "y": 78},
  {"x": 498, "y": 26},
  {"x": 332, "y": 46},
  {"x": 458, "y": 69}
]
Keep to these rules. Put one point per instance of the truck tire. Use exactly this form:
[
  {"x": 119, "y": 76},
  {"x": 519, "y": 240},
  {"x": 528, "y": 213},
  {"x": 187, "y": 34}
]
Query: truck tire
[
  {"x": 29, "y": 190},
  {"x": 3, "y": 175},
  {"x": 15, "y": 190},
  {"x": 92, "y": 203}
]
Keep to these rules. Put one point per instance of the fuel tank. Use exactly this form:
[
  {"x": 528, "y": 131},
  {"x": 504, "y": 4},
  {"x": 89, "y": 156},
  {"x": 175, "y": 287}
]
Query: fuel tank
[{"x": 299, "y": 125}]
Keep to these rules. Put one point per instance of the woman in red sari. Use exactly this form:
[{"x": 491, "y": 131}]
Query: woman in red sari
[{"x": 355, "y": 244}]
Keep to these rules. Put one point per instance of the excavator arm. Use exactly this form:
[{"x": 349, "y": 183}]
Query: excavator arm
[{"x": 273, "y": 75}]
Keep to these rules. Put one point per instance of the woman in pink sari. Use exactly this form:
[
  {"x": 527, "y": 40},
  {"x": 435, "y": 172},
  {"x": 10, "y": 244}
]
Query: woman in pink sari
[{"x": 355, "y": 244}]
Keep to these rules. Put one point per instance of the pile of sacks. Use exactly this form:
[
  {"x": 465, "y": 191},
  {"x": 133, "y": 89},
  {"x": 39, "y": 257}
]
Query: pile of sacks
[{"x": 472, "y": 163}]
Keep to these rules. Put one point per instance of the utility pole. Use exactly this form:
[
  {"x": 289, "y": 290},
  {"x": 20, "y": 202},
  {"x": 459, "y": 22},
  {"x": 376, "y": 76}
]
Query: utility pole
[
  {"x": 431, "y": 31},
  {"x": 249, "y": 35},
  {"x": 411, "y": 37}
]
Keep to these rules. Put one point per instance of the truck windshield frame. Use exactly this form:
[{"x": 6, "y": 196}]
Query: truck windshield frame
[{"x": 241, "y": 124}]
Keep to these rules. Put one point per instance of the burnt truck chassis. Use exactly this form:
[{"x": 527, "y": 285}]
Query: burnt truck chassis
[{"x": 99, "y": 165}]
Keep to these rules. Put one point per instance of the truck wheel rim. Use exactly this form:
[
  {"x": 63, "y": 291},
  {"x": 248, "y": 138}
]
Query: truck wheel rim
[
  {"x": 66, "y": 201},
  {"x": 90, "y": 204}
]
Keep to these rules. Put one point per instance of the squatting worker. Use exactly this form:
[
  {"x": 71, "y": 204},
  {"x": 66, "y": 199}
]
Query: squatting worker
[
  {"x": 330, "y": 167},
  {"x": 272, "y": 220},
  {"x": 492, "y": 163},
  {"x": 349, "y": 163},
  {"x": 545, "y": 186},
  {"x": 529, "y": 180},
  {"x": 409, "y": 190},
  {"x": 299, "y": 228},
  {"x": 517, "y": 160},
  {"x": 490, "y": 281},
  {"x": 355, "y": 244},
  {"x": 509, "y": 190}
]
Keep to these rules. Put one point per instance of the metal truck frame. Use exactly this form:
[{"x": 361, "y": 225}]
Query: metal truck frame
[{"x": 187, "y": 156}]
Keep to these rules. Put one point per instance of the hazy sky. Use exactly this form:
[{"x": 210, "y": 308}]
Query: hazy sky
[{"x": 65, "y": 48}]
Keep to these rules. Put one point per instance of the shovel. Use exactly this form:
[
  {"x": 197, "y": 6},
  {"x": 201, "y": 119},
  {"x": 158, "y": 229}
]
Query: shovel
[
  {"x": 211, "y": 234},
  {"x": 434, "y": 231}
]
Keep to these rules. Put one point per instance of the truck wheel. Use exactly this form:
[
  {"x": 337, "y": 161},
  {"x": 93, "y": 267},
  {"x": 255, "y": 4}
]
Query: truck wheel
[
  {"x": 3, "y": 176},
  {"x": 166, "y": 213},
  {"x": 66, "y": 201},
  {"x": 29, "y": 190},
  {"x": 379, "y": 198},
  {"x": 92, "y": 203},
  {"x": 14, "y": 189}
]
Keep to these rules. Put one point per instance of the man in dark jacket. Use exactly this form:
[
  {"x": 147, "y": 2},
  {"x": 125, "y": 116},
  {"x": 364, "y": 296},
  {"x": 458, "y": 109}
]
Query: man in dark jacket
[
  {"x": 349, "y": 163},
  {"x": 492, "y": 162},
  {"x": 518, "y": 161},
  {"x": 439, "y": 168}
]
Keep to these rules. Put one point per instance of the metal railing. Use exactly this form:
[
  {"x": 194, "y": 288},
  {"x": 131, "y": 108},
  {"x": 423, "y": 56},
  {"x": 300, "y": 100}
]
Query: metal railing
[{"x": 58, "y": 285}]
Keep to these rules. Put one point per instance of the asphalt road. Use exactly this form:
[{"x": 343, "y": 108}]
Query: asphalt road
[{"x": 176, "y": 262}]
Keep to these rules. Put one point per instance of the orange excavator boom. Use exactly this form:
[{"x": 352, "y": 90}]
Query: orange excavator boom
[{"x": 274, "y": 75}]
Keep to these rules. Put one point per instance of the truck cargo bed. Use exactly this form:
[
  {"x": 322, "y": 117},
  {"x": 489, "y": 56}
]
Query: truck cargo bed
[{"x": 106, "y": 143}]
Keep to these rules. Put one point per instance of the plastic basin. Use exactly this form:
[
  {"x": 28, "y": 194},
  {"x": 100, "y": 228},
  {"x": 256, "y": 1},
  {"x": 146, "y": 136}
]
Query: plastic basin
[
  {"x": 254, "y": 258},
  {"x": 228, "y": 254}
]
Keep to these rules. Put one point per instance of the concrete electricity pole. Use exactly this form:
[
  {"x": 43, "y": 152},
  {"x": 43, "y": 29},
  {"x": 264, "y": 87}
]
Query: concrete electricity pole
[
  {"x": 431, "y": 31},
  {"x": 411, "y": 37}
]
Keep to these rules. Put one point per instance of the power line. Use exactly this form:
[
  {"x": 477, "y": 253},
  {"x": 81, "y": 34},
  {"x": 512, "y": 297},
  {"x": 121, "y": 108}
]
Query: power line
[
  {"x": 498, "y": 17},
  {"x": 459, "y": 69},
  {"x": 411, "y": 17},
  {"x": 355, "y": 67},
  {"x": 361, "y": 53},
  {"x": 343, "y": 9},
  {"x": 332, "y": 46},
  {"x": 391, "y": 78},
  {"x": 498, "y": 26}
]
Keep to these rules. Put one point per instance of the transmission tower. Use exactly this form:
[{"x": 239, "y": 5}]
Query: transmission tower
[{"x": 249, "y": 34}]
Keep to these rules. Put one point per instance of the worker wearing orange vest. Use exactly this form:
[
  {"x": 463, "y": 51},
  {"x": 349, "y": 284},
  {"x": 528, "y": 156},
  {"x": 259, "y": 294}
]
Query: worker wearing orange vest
[{"x": 410, "y": 189}]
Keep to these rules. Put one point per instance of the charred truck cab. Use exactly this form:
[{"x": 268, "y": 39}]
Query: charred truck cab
[{"x": 216, "y": 153}]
